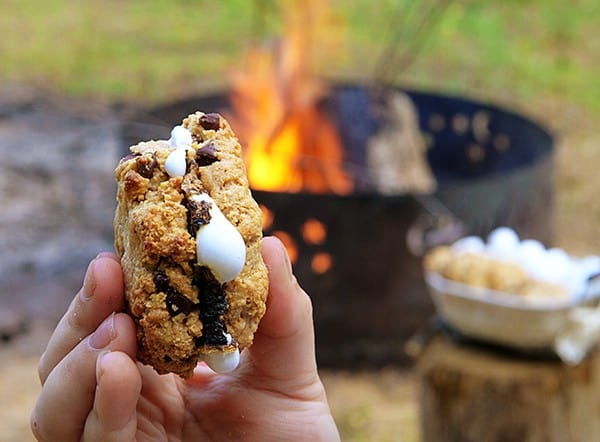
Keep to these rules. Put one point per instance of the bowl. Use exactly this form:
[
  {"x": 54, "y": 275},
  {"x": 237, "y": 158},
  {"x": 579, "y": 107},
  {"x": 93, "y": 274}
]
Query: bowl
[{"x": 515, "y": 321}]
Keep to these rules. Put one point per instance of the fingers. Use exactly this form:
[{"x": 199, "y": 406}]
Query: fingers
[
  {"x": 101, "y": 294},
  {"x": 68, "y": 393},
  {"x": 283, "y": 348},
  {"x": 113, "y": 417}
]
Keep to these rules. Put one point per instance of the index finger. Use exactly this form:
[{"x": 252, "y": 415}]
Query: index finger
[{"x": 101, "y": 295}]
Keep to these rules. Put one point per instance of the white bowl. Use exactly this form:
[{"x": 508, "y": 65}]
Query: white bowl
[{"x": 503, "y": 318}]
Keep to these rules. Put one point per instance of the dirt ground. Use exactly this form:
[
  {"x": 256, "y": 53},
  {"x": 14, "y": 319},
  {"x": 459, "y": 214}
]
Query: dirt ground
[
  {"x": 381, "y": 405},
  {"x": 368, "y": 406}
]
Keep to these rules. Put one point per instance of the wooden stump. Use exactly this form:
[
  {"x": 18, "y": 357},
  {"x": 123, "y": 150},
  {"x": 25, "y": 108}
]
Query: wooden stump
[{"x": 473, "y": 394}]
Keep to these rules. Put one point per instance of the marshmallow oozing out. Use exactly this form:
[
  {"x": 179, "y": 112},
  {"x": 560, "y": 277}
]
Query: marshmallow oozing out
[
  {"x": 219, "y": 245},
  {"x": 176, "y": 163},
  {"x": 222, "y": 362},
  {"x": 180, "y": 136}
]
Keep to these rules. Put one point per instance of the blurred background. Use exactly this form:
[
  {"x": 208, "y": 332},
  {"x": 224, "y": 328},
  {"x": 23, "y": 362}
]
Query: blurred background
[{"x": 73, "y": 72}]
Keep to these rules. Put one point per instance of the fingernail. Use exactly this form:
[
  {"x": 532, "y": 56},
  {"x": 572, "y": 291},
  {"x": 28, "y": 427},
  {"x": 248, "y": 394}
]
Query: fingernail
[
  {"x": 103, "y": 334},
  {"x": 109, "y": 255},
  {"x": 89, "y": 282}
]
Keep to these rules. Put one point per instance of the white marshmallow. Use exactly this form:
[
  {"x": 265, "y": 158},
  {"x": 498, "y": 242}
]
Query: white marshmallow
[
  {"x": 176, "y": 164},
  {"x": 469, "y": 244},
  {"x": 531, "y": 255},
  {"x": 503, "y": 242},
  {"x": 222, "y": 362},
  {"x": 589, "y": 265},
  {"x": 219, "y": 245},
  {"x": 552, "y": 265},
  {"x": 558, "y": 265},
  {"x": 180, "y": 136}
]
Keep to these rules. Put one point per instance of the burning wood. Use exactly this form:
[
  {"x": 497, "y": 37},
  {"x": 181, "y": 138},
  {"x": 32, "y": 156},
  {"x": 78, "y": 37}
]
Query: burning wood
[{"x": 396, "y": 156}]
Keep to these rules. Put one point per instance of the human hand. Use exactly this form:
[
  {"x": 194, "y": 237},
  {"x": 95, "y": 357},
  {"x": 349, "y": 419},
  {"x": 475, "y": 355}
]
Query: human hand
[{"x": 92, "y": 388}]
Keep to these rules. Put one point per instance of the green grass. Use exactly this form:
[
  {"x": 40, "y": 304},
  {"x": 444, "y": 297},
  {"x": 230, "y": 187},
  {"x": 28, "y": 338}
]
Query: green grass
[{"x": 154, "y": 51}]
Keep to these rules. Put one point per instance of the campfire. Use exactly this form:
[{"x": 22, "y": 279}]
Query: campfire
[{"x": 290, "y": 143}]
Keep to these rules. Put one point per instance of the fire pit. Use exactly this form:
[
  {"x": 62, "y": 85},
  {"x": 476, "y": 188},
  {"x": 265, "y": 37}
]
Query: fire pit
[{"x": 350, "y": 252}]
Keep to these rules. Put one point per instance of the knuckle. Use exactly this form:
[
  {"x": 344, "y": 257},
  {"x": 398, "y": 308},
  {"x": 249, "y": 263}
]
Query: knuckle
[
  {"x": 74, "y": 315},
  {"x": 35, "y": 425}
]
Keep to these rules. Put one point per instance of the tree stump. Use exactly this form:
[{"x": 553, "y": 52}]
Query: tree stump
[{"x": 474, "y": 394}]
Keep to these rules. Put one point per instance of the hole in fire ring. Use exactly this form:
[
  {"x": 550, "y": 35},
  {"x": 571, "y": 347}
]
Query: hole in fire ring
[{"x": 311, "y": 232}]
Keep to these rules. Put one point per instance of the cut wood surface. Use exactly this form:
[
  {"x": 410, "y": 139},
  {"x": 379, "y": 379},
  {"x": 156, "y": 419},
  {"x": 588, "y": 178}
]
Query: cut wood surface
[{"x": 473, "y": 394}]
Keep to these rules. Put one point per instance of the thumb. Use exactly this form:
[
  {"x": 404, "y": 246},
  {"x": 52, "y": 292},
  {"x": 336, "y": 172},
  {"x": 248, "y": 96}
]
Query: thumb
[
  {"x": 119, "y": 384},
  {"x": 283, "y": 348}
]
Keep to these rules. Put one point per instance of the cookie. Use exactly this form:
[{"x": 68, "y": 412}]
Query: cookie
[{"x": 189, "y": 236}]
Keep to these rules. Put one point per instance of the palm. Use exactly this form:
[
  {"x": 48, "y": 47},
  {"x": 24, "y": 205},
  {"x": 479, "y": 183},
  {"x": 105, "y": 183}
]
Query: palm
[{"x": 217, "y": 407}]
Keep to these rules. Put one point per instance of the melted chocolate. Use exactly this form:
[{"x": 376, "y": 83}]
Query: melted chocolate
[
  {"x": 213, "y": 304},
  {"x": 198, "y": 215},
  {"x": 176, "y": 302}
]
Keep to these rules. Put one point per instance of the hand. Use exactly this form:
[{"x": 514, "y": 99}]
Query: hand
[{"x": 93, "y": 390}]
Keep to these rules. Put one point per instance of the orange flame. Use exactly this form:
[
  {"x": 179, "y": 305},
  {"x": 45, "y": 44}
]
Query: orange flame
[{"x": 290, "y": 144}]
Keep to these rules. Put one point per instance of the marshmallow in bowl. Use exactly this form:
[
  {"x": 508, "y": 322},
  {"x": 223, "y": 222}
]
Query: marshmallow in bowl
[
  {"x": 502, "y": 242},
  {"x": 552, "y": 265},
  {"x": 472, "y": 244},
  {"x": 220, "y": 247}
]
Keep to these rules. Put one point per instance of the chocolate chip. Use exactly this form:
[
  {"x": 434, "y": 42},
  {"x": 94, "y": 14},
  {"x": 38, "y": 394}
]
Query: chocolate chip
[
  {"x": 161, "y": 282},
  {"x": 178, "y": 303},
  {"x": 206, "y": 155},
  {"x": 210, "y": 121},
  {"x": 145, "y": 166}
]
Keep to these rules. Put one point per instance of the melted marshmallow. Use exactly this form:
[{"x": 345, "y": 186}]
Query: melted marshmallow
[
  {"x": 175, "y": 164},
  {"x": 181, "y": 139},
  {"x": 222, "y": 362},
  {"x": 219, "y": 245},
  {"x": 180, "y": 136}
]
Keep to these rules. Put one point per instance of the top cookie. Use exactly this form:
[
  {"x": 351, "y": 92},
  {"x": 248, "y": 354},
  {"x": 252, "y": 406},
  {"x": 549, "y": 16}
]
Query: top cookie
[{"x": 189, "y": 235}]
